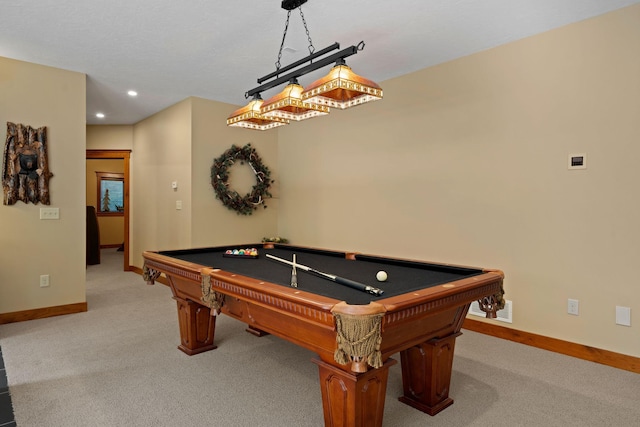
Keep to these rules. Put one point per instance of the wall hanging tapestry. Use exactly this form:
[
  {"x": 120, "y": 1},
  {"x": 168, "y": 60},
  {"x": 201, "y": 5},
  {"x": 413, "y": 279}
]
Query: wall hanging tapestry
[
  {"x": 243, "y": 205},
  {"x": 25, "y": 170}
]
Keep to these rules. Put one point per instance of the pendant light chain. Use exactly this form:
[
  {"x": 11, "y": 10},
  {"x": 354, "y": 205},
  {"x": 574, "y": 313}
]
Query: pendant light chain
[
  {"x": 311, "y": 47},
  {"x": 286, "y": 27}
]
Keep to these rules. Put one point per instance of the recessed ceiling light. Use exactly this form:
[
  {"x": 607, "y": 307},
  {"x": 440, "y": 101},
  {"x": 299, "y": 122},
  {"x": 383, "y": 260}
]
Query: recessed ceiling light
[
  {"x": 100, "y": 115},
  {"x": 132, "y": 93}
]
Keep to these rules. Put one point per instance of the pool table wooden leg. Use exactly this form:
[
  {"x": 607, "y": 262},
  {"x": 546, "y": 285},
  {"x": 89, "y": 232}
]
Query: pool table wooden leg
[
  {"x": 426, "y": 374},
  {"x": 197, "y": 327},
  {"x": 353, "y": 400}
]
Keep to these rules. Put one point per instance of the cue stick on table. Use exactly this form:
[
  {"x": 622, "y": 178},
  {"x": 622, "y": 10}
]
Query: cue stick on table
[{"x": 332, "y": 277}]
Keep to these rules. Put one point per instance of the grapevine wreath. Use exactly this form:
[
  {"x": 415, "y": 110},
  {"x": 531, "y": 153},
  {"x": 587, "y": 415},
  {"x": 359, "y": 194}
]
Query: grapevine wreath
[{"x": 229, "y": 197}]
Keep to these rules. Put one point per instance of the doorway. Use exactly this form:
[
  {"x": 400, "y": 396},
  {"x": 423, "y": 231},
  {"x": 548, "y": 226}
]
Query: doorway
[{"x": 125, "y": 156}]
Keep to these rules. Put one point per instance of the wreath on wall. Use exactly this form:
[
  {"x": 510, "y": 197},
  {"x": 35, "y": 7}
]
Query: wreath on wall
[{"x": 243, "y": 205}]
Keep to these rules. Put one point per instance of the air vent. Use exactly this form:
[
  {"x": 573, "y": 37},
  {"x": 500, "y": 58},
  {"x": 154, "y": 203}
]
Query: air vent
[{"x": 504, "y": 315}]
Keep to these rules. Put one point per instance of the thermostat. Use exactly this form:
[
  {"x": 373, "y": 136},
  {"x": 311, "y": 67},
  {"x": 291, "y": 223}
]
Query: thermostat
[{"x": 577, "y": 161}]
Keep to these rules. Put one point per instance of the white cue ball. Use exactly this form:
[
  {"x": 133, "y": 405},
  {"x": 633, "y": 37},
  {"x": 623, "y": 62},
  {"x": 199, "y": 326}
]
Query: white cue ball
[{"x": 381, "y": 276}]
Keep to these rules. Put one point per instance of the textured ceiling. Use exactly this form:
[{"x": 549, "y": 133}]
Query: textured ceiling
[{"x": 168, "y": 50}]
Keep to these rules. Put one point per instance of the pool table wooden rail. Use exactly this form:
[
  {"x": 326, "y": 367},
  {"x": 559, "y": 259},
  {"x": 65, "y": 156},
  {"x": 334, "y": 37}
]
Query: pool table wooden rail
[{"x": 276, "y": 309}]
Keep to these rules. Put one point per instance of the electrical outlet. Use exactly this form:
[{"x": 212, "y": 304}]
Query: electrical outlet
[
  {"x": 623, "y": 316},
  {"x": 44, "y": 280},
  {"x": 572, "y": 307}
]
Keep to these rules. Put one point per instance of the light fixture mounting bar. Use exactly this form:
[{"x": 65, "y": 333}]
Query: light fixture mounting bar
[
  {"x": 314, "y": 55},
  {"x": 344, "y": 53},
  {"x": 292, "y": 4}
]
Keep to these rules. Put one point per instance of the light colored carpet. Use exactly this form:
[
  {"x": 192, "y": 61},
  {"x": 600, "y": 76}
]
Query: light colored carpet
[{"x": 118, "y": 365}]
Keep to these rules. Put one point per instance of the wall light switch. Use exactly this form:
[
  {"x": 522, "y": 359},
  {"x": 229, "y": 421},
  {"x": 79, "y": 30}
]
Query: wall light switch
[
  {"x": 49, "y": 213},
  {"x": 178, "y": 204},
  {"x": 44, "y": 280}
]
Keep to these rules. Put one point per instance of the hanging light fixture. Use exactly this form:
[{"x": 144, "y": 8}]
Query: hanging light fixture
[
  {"x": 288, "y": 104},
  {"x": 341, "y": 88},
  {"x": 250, "y": 117}
]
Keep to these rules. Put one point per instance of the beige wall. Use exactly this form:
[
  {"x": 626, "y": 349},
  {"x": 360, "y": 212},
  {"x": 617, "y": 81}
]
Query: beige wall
[
  {"x": 42, "y": 96},
  {"x": 213, "y": 223},
  {"x": 111, "y": 227},
  {"x": 179, "y": 144},
  {"x": 466, "y": 163},
  {"x": 109, "y": 137},
  {"x": 161, "y": 154}
]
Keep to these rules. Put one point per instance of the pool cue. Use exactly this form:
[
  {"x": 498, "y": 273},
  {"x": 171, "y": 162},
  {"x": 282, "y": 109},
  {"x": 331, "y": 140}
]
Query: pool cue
[
  {"x": 294, "y": 274},
  {"x": 332, "y": 277}
]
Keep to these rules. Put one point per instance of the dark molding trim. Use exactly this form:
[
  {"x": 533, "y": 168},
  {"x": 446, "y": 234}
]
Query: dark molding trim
[
  {"x": 580, "y": 351},
  {"x": 41, "y": 313}
]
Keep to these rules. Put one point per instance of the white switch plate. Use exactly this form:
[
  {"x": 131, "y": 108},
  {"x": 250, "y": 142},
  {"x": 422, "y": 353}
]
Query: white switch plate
[
  {"x": 44, "y": 280},
  {"x": 623, "y": 316},
  {"x": 49, "y": 213},
  {"x": 178, "y": 204}
]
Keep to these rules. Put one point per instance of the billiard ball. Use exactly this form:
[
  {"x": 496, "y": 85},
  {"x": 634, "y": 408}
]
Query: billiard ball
[{"x": 381, "y": 276}]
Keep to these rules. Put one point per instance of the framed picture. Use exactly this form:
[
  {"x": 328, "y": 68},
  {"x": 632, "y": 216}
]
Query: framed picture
[{"x": 110, "y": 194}]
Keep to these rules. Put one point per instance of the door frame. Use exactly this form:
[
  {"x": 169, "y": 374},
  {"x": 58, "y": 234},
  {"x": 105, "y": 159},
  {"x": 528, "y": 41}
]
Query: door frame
[{"x": 124, "y": 155}]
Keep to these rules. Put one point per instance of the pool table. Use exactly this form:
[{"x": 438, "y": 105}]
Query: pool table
[{"x": 353, "y": 332}]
